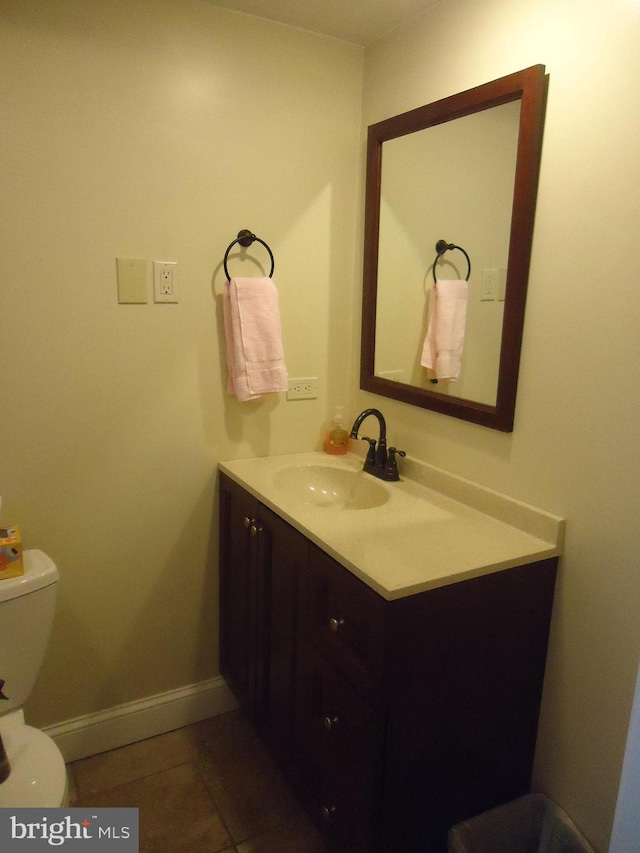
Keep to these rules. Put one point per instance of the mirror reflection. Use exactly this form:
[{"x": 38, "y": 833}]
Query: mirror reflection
[
  {"x": 463, "y": 170},
  {"x": 453, "y": 181}
]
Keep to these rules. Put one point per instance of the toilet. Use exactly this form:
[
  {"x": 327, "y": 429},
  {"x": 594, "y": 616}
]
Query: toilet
[{"x": 37, "y": 775}]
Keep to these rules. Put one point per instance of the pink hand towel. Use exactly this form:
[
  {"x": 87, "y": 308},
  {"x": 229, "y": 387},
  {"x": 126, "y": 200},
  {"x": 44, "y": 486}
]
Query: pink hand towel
[
  {"x": 255, "y": 357},
  {"x": 444, "y": 341}
]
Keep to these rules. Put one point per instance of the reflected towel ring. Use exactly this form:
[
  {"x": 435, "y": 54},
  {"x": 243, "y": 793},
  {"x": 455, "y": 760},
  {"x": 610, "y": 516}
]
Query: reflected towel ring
[
  {"x": 246, "y": 238},
  {"x": 441, "y": 247}
]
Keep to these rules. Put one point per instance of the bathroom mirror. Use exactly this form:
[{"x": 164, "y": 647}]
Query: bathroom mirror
[{"x": 463, "y": 170}]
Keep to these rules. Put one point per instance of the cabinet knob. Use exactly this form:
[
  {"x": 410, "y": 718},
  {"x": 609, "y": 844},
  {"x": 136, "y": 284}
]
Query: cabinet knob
[
  {"x": 336, "y": 624},
  {"x": 328, "y": 812},
  {"x": 330, "y": 723},
  {"x": 253, "y": 525}
]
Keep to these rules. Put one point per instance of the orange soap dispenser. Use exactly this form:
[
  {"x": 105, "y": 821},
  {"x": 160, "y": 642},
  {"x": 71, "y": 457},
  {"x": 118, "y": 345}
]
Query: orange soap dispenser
[{"x": 336, "y": 442}]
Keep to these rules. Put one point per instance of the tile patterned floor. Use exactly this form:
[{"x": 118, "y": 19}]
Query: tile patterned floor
[{"x": 206, "y": 788}]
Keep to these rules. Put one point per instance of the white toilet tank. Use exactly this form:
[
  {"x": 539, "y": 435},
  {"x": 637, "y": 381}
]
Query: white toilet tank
[{"x": 27, "y": 607}]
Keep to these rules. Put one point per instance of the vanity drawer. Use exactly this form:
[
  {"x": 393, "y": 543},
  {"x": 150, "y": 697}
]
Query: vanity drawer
[
  {"x": 345, "y": 620},
  {"x": 342, "y": 806},
  {"x": 334, "y": 724}
]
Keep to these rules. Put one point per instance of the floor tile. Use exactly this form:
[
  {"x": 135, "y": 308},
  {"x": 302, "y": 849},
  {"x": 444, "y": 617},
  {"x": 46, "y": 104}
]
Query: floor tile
[
  {"x": 176, "y": 811},
  {"x": 227, "y": 735},
  {"x": 295, "y": 837},
  {"x": 72, "y": 788},
  {"x": 118, "y": 766},
  {"x": 211, "y": 787},
  {"x": 243, "y": 779}
]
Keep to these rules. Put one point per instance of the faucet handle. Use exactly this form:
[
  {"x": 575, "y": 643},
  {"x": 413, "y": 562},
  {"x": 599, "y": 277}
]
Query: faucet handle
[
  {"x": 395, "y": 451},
  {"x": 371, "y": 452},
  {"x": 391, "y": 468}
]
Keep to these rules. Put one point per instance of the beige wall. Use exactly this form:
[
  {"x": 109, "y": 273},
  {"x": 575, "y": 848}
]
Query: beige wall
[
  {"x": 574, "y": 449},
  {"x": 157, "y": 130}
]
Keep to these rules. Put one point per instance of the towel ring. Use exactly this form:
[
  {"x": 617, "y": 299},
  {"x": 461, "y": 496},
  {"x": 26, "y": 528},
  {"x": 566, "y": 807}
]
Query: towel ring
[
  {"x": 246, "y": 238},
  {"x": 441, "y": 247}
]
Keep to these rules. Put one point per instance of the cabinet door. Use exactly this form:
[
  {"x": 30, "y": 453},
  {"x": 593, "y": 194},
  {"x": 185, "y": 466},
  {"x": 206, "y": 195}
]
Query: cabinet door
[
  {"x": 260, "y": 561},
  {"x": 239, "y": 594},
  {"x": 283, "y": 554}
]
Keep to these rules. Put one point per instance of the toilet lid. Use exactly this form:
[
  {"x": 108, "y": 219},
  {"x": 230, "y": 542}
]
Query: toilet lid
[{"x": 38, "y": 777}]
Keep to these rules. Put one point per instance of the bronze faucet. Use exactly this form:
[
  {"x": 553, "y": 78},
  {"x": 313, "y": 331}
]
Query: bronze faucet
[{"x": 380, "y": 462}]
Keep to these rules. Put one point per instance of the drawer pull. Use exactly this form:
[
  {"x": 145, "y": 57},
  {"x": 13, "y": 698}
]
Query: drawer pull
[
  {"x": 255, "y": 528},
  {"x": 330, "y": 723},
  {"x": 328, "y": 812},
  {"x": 248, "y": 521},
  {"x": 336, "y": 624}
]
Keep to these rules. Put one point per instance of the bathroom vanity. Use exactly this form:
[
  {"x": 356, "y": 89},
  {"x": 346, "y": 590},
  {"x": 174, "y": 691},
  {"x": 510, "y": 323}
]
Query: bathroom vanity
[{"x": 387, "y": 639}]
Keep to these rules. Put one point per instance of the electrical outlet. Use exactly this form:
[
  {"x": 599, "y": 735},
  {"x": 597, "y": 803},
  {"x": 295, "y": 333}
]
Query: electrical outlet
[
  {"x": 303, "y": 389},
  {"x": 165, "y": 281}
]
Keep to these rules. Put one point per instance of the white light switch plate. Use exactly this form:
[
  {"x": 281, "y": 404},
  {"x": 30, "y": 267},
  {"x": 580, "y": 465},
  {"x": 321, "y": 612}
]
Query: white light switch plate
[{"x": 132, "y": 280}]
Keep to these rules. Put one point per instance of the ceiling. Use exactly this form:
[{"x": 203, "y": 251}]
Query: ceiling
[{"x": 358, "y": 21}]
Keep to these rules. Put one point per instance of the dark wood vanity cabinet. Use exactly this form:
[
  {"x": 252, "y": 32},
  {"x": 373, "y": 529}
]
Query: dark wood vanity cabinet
[
  {"x": 393, "y": 719},
  {"x": 260, "y": 561}
]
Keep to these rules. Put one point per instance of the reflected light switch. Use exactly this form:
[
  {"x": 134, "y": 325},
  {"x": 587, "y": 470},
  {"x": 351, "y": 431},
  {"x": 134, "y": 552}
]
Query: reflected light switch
[
  {"x": 132, "y": 280},
  {"x": 489, "y": 285}
]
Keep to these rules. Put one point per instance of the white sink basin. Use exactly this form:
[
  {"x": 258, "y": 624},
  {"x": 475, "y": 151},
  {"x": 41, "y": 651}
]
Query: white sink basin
[
  {"x": 326, "y": 486},
  {"x": 433, "y": 528}
]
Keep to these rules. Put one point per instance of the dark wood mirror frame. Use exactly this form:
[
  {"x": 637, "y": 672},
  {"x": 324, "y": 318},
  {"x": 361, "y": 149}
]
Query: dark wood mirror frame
[{"x": 530, "y": 87}]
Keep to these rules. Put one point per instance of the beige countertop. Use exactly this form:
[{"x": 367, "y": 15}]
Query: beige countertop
[{"x": 433, "y": 529}]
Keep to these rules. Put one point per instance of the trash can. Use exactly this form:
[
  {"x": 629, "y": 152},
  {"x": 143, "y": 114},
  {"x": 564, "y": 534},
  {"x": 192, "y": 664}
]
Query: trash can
[{"x": 530, "y": 824}]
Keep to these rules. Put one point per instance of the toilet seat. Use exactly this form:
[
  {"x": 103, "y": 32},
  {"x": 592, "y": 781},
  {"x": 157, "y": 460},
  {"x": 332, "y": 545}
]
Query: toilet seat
[{"x": 38, "y": 777}]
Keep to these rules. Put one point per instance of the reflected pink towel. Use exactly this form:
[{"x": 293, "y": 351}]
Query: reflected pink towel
[
  {"x": 444, "y": 341},
  {"x": 255, "y": 358}
]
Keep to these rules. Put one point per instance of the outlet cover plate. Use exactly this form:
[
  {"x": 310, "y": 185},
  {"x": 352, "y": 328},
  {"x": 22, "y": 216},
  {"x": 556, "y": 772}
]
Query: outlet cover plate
[
  {"x": 303, "y": 389},
  {"x": 165, "y": 281}
]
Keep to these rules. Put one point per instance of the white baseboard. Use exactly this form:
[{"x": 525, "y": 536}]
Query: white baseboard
[{"x": 94, "y": 733}]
